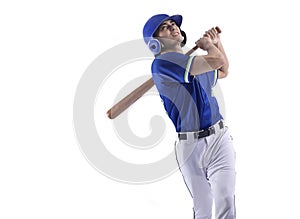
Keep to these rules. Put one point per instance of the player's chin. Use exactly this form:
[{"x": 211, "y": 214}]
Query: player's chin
[
  {"x": 173, "y": 41},
  {"x": 179, "y": 38}
]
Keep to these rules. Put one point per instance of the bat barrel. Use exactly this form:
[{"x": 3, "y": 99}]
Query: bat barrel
[{"x": 127, "y": 101}]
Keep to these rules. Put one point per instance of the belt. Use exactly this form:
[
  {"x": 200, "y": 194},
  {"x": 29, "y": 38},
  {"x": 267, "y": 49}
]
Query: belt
[{"x": 202, "y": 133}]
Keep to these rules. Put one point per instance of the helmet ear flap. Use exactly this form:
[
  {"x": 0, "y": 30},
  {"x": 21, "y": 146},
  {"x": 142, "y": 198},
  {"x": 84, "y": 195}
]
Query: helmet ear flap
[
  {"x": 184, "y": 38},
  {"x": 155, "y": 46}
]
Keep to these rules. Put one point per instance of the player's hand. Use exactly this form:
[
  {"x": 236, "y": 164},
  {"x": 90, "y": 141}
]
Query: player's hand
[
  {"x": 204, "y": 43},
  {"x": 213, "y": 35}
]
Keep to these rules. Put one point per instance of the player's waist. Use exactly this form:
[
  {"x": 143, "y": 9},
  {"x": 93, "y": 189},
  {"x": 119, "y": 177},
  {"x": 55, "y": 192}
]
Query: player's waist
[{"x": 202, "y": 133}]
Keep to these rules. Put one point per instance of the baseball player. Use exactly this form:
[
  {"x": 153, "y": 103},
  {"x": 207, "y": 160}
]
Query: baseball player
[{"x": 204, "y": 149}]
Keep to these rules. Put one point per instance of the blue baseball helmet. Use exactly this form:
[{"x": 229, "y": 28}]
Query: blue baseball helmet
[{"x": 155, "y": 21}]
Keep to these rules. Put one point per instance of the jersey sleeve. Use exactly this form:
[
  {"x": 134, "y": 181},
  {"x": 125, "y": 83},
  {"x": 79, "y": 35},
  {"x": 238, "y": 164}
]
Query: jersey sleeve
[
  {"x": 175, "y": 65},
  {"x": 216, "y": 76}
]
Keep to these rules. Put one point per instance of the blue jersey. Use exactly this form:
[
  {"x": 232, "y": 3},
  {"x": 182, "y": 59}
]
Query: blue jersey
[{"x": 187, "y": 99}]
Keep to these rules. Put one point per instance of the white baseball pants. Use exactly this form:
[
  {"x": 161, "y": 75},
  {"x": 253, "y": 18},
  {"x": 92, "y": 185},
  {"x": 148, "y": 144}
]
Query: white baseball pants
[{"x": 208, "y": 168}]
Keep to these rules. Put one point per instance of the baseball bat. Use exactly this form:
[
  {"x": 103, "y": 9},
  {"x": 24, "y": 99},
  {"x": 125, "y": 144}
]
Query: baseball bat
[{"x": 127, "y": 101}]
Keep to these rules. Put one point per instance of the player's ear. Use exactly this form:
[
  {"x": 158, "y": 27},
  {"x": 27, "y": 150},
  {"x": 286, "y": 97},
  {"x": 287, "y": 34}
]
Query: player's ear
[{"x": 184, "y": 38}]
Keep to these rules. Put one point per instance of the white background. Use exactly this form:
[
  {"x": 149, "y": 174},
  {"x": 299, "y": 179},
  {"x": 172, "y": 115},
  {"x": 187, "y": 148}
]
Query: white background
[{"x": 45, "y": 48}]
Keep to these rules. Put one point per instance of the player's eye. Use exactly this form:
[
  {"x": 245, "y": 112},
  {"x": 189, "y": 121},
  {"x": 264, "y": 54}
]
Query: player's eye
[{"x": 164, "y": 27}]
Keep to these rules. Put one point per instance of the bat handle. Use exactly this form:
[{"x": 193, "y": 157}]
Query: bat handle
[{"x": 191, "y": 50}]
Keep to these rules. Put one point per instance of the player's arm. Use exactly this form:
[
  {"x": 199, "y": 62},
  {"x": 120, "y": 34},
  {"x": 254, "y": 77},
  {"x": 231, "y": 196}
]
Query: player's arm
[
  {"x": 215, "y": 37},
  {"x": 214, "y": 59},
  {"x": 223, "y": 71}
]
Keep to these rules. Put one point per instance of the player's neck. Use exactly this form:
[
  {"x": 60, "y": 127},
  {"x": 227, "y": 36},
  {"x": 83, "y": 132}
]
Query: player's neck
[{"x": 172, "y": 49}]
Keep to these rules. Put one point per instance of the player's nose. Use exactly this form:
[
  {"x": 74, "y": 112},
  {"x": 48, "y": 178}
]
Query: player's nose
[{"x": 171, "y": 28}]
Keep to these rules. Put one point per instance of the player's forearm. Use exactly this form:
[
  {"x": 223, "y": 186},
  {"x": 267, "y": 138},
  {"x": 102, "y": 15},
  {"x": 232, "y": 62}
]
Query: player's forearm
[
  {"x": 215, "y": 57},
  {"x": 225, "y": 66},
  {"x": 205, "y": 63}
]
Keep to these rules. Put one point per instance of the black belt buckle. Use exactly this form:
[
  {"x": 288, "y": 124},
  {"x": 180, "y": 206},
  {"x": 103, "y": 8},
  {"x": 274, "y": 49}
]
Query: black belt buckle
[
  {"x": 202, "y": 134},
  {"x": 197, "y": 135},
  {"x": 211, "y": 130}
]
